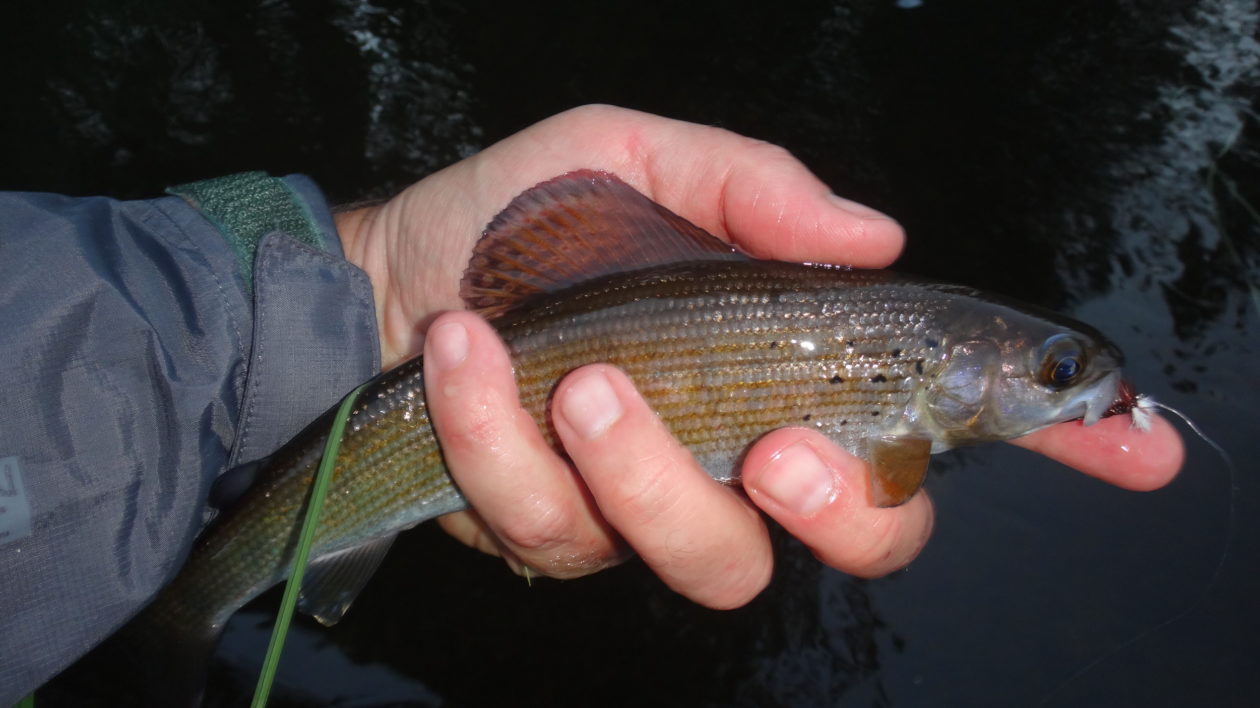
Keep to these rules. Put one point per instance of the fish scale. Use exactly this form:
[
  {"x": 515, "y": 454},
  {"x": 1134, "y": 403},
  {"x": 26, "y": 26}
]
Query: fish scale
[{"x": 733, "y": 347}]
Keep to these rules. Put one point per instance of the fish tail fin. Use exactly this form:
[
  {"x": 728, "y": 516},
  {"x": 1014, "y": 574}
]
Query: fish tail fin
[
  {"x": 148, "y": 662},
  {"x": 173, "y": 662},
  {"x": 144, "y": 664}
]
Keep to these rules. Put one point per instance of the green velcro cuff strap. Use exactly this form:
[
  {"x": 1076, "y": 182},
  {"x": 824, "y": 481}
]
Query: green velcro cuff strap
[{"x": 246, "y": 207}]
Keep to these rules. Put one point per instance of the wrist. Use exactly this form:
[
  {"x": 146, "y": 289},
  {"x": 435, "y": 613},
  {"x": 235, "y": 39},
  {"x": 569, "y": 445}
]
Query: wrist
[
  {"x": 351, "y": 223},
  {"x": 357, "y": 228}
]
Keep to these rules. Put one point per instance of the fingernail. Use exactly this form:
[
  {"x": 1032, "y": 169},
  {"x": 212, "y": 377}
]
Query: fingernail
[
  {"x": 857, "y": 209},
  {"x": 590, "y": 405},
  {"x": 798, "y": 479},
  {"x": 450, "y": 346}
]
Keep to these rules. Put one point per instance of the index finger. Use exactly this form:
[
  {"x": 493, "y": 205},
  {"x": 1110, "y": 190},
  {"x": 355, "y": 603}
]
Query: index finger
[
  {"x": 1114, "y": 451},
  {"x": 748, "y": 191}
]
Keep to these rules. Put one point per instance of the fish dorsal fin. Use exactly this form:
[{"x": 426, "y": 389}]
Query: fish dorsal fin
[
  {"x": 576, "y": 227},
  {"x": 332, "y": 582}
]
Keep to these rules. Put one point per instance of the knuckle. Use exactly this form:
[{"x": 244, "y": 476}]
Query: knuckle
[
  {"x": 479, "y": 430},
  {"x": 592, "y": 114},
  {"x": 465, "y": 416},
  {"x": 538, "y": 526},
  {"x": 593, "y": 110},
  {"x": 764, "y": 151},
  {"x": 557, "y": 544},
  {"x": 765, "y": 155},
  {"x": 483, "y": 429},
  {"x": 881, "y": 550},
  {"x": 650, "y": 492},
  {"x": 738, "y": 586}
]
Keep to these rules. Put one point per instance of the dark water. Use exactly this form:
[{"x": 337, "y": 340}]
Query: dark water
[{"x": 1097, "y": 157}]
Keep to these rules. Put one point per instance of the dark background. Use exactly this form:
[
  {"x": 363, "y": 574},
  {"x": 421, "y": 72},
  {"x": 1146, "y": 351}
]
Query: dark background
[{"x": 1096, "y": 157}]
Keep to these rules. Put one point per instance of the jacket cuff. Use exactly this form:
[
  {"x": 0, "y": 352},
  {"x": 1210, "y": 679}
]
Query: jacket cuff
[{"x": 314, "y": 320}]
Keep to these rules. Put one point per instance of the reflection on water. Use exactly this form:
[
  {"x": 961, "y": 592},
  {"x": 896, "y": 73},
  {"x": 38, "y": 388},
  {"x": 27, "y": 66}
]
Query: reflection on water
[
  {"x": 1185, "y": 225},
  {"x": 417, "y": 107},
  {"x": 1093, "y": 156},
  {"x": 143, "y": 94}
]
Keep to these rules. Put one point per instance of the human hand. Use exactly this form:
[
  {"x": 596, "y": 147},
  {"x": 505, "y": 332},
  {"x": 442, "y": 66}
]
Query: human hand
[{"x": 631, "y": 486}]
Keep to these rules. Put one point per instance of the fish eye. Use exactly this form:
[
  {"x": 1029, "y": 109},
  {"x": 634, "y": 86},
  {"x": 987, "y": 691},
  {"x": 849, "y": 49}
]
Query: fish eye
[{"x": 1062, "y": 362}]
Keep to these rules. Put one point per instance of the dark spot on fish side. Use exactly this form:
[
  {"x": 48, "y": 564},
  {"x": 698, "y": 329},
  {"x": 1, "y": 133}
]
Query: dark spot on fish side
[
  {"x": 918, "y": 367},
  {"x": 836, "y": 379},
  {"x": 896, "y": 353},
  {"x": 931, "y": 343},
  {"x": 878, "y": 378},
  {"x": 774, "y": 345},
  {"x": 874, "y": 413},
  {"x": 844, "y": 422},
  {"x": 849, "y": 344},
  {"x": 807, "y": 416}
]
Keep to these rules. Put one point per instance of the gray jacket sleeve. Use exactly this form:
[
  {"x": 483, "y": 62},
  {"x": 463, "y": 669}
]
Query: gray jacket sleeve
[{"x": 138, "y": 363}]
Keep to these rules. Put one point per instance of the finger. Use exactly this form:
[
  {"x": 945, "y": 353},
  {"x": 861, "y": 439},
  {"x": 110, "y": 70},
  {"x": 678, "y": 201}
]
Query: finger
[
  {"x": 699, "y": 537},
  {"x": 471, "y": 529},
  {"x": 1114, "y": 451},
  {"x": 822, "y": 496},
  {"x": 755, "y": 194},
  {"x": 772, "y": 206},
  {"x": 524, "y": 493}
]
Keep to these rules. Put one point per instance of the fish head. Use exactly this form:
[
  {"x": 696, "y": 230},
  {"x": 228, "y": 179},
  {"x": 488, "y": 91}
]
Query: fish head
[{"x": 1005, "y": 371}]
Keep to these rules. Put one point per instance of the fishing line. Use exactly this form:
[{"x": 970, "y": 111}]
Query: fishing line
[{"x": 1142, "y": 410}]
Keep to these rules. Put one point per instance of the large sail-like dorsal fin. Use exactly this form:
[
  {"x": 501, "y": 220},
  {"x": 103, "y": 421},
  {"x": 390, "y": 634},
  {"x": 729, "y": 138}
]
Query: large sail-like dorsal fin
[{"x": 576, "y": 227}]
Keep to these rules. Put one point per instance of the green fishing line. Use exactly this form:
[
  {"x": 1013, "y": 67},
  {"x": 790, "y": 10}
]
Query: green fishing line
[{"x": 309, "y": 524}]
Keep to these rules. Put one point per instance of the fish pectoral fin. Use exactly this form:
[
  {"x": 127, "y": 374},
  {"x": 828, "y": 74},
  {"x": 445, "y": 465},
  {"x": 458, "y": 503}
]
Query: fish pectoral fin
[
  {"x": 898, "y": 466},
  {"x": 332, "y": 582}
]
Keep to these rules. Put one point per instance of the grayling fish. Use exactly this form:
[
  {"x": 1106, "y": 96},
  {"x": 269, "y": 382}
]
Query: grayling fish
[{"x": 725, "y": 348}]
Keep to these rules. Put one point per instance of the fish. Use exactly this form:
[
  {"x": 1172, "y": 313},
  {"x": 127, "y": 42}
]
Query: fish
[{"x": 725, "y": 348}]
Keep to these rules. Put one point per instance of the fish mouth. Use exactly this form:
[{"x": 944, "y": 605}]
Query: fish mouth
[
  {"x": 1110, "y": 396},
  {"x": 1126, "y": 400}
]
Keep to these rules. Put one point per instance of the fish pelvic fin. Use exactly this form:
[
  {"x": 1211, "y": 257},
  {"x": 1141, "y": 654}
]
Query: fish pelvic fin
[
  {"x": 898, "y": 467},
  {"x": 333, "y": 581},
  {"x": 579, "y": 226}
]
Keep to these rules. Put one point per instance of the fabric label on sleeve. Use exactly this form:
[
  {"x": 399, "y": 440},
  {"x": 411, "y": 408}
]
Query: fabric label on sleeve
[{"x": 15, "y": 510}]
